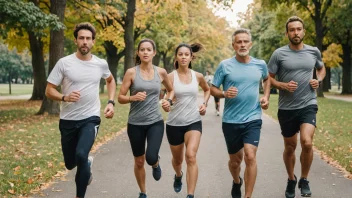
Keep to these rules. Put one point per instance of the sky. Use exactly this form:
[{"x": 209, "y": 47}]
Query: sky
[{"x": 231, "y": 15}]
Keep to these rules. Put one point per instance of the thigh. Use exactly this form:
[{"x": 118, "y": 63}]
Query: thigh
[
  {"x": 251, "y": 134},
  {"x": 87, "y": 134},
  {"x": 155, "y": 133},
  {"x": 137, "y": 135},
  {"x": 308, "y": 114},
  {"x": 289, "y": 123},
  {"x": 175, "y": 134},
  {"x": 192, "y": 140},
  {"x": 233, "y": 139},
  {"x": 69, "y": 141}
]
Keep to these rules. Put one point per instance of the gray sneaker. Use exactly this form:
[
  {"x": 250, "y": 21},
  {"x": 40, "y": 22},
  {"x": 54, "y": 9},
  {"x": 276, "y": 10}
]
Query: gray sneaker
[
  {"x": 290, "y": 188},
  {"x": 142, "y": 195},
  {"x": 157, "y": 171},
  {"x": 178, "y": 183},
  {"x": 303, "y": 184},
  {"x": 90, "y": 164}
]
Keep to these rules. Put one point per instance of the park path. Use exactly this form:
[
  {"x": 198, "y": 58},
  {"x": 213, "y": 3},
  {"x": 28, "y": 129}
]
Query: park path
[{"x": 113, "y": 169}]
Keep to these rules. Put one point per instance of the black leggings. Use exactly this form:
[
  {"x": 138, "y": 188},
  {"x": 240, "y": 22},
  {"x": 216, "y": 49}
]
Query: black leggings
[
  {"x": 77, "y": 138},
  {"x": 153, "y": 133}
]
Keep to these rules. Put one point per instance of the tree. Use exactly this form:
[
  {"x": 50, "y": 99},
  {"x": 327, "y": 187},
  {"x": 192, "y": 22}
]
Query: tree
[
  {"x": 28, "y": 17},
  {"x": 56, "y": 51},
  {"x": 129, "y": 41},
  {"x": 331, "y": 57}
]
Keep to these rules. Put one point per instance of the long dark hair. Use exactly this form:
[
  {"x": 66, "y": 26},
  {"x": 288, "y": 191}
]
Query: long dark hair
[
  {"x": 138, "y": 60},
  {"x": 193, "y": 48}
]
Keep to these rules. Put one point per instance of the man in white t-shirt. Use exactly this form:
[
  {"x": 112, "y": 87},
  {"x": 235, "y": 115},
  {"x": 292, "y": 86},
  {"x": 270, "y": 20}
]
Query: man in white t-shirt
[
  {"x": 209, "y": 78},
  {"x": 79, "y": 75}
]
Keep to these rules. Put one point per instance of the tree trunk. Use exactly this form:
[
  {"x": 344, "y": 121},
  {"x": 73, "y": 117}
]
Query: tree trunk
[
  {"x": 156, "y": 59},
  {"x": 166, "y": 62},
  {"x": 10, "y": 80},
  {"x": 129, "y": 41},
  {"x": 56, "y": 51},
  {"x": 113, "y": 57},
  {"x": 327, "y": 83},
  {"x": 346, "y": 72}
]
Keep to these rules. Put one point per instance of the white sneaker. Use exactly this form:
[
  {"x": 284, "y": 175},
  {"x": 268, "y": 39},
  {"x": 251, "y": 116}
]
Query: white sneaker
[
  {"x": 217, "y": 113},
  {"x": 90, "y": 164}
]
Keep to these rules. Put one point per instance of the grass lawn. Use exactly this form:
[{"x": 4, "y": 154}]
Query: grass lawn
[
  {"x": 30, "y": 149},
  {"x": 333, "y": 135},
  {"x": 16, "y": 89}
]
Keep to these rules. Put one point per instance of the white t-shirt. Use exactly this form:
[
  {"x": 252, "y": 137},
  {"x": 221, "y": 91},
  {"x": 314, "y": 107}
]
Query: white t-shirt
[{"x": 74, "y": 74}]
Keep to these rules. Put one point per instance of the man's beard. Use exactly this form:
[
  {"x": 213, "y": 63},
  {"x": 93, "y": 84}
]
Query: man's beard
[
  {"x": 292, "y": 40},
  {"x": 243, "y": 54},
  {"x": 84, "y": 52}
]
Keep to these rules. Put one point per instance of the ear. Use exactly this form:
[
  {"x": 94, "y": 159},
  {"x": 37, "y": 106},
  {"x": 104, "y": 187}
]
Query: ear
[
  {"x": 93, "y": 41},
  {"x": 75, "y": 41}
]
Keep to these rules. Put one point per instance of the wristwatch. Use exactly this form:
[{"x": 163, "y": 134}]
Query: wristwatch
[
  {"x": 170, "y": 101},
  {"x": 112, "y": 102}
]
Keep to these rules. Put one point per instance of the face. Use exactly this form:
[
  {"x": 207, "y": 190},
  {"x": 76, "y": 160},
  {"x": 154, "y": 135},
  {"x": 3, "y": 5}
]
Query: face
[
  {"x": 242, "y": 44},
  {"x": 146, "y": 52},
  {"x": 183, "y": 56},
  {"x": 84, "y": 41},
  {"x": 295, "y": 32}
]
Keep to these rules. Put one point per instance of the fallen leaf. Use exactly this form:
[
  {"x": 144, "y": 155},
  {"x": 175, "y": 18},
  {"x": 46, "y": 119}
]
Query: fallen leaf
[
  {"x": 11, "y": 184},
  {"x": 12, "y": 191},
  {"x": 30, "y": 181}
]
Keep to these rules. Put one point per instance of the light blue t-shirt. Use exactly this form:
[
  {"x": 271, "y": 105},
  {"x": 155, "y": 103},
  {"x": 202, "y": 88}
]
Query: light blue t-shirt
[{"x": 245, "y": 107}]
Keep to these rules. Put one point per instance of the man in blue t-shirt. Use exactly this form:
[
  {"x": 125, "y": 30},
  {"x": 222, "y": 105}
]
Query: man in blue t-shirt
[{"x": 240, "y": 77}]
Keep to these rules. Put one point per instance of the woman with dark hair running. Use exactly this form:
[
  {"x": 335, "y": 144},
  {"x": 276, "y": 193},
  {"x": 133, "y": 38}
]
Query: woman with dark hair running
[
  {"x": 145, "y": 122},
  {"x": 184, "y": 125}
]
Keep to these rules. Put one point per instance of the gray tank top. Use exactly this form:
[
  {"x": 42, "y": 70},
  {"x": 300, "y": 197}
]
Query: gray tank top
[{"x": 148, "y": 111}]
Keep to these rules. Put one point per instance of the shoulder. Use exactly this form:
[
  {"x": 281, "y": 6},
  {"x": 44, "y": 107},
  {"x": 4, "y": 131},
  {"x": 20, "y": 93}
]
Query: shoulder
[
  {"x": 130, "y": 71},
  {"x": 100, "y": 60},
  {"x": 198, "y": 75},
  {"x": 258, "y": 61},
  {"x": 161, "y": 71}
]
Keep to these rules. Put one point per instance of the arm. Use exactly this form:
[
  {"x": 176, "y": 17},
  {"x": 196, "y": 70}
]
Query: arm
[
  {"x": 290, "y": 86},
  {"x": 169, "y": 88},
  {"x": 315, "y": 83},
  {"x": 111, "y": 86},
  {"x": 204, "y": 85},
  {"x": 52, "y": 93},
  {"x": 264, "y": 101},
  {"x": 126, "y": 83}
]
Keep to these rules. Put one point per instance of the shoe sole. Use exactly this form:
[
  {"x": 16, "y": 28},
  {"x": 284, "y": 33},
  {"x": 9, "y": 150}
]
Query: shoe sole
[
  {"x": 91, "y": 172},
  {"x": 306, "y": 195}
]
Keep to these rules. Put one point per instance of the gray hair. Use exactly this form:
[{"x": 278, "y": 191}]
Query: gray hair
[{"x": 239, "y": 31}]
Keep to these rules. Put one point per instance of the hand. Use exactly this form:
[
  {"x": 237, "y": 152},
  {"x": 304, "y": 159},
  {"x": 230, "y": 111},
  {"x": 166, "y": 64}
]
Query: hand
[
  {"x": 264, "y": 103},
  {"x": 202, "y": 109},
  {"x": 165, "y": 105},
  {"x": 291, "y": 86},
  {"x": 231, "y": 92},
  {"x": 314, "y": 83},
  {"x": 140, "y": 96},
  {"x": 73, "y": 96},
  {"x": 109, "y": 111}
]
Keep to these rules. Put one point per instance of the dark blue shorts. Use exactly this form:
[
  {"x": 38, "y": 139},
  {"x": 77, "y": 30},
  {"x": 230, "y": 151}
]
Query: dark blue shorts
[
  {"x": 236, "y": 135},
  {"x": 176, "y": 134},
  {"x": 291, "y": 120}
]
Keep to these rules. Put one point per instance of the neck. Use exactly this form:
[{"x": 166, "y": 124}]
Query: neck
[
  {"x": 146, "y": 65},
  {"x": 183, "y": 70},
  {"x": 243, "y": 59},
  {"x": 296, "y": 47},
  {"x": 82, "y": 57}
]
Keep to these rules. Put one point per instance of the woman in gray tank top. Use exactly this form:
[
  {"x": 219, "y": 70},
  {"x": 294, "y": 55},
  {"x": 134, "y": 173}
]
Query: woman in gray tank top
[
  {"x": 145, "y": 122},
  {"x": 184, "y": 125}
]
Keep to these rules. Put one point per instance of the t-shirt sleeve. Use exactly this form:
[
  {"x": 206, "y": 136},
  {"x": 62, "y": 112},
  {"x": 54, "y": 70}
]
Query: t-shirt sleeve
[
  {"x": 106, "y": 71},
  {"x": 265, "y": 70},
  {"x": 273, "y": 65},
  {"x": 57, "y": 74},
  {"x": 319, "y": 63},
  {"x": 219, "y": 75}
]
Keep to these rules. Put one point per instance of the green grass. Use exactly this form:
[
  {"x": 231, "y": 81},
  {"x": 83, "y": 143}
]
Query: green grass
[
  {"x": 30, "y": 149},
  {"x": 333, "y": 135},
  {"x": 16, "y": 89}
]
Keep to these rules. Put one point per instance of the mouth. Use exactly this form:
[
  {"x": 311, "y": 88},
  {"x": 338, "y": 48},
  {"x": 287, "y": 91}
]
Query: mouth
[{"x": 145, "y": 57}]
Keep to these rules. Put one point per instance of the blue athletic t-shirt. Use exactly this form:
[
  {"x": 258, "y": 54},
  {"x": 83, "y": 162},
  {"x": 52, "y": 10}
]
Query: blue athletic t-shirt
[{"x": 245, "y": 107}]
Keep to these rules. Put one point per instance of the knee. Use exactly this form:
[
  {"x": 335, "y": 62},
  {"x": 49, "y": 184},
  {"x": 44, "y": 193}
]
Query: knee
[
  {"x": 81, "y": 157},
  {"x": 250, "y": 159},
  {"x": 70, "y": 166},
  {"x": 306, "y": 145},
  {"x": 177, "y": 162},
  {"x": 139, "y": 163},
  {"x": 290, "y": 148},
  {"x": 235, "y": 163},
  {"x": 152, "y": 160},
  {"x": 191, "y": 158}
]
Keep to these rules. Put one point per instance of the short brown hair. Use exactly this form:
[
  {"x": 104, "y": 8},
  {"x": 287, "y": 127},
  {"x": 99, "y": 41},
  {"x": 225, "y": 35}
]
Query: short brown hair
[
  {"x": 293, "y": 19},
  {"x": 84, "y": 26}
]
